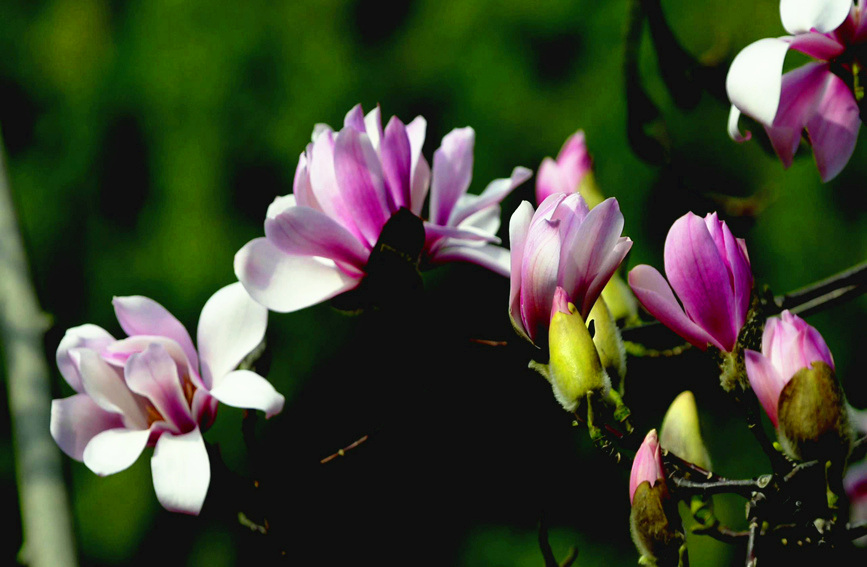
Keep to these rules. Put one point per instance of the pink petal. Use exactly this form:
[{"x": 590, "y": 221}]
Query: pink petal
[
  {"x": 76, "y": 420},
  {"x": 550, "y": 180},
  {"x": 154, "y": 375},
  {"x": 489, "y": 256},
  {"x": 359, "y": 176},
  {"x": 765, "y": 381},
  {"x": 396, "y": 155},
  {"x": 495, "y": 192},
  {"x": 539, "y": 274},
  {"x": 301, "y": 231},
  {"x": 519, "y": 225},
  {"x": 246, "y": 389},
  {"x": 84, "y": 336},
  {"x": 140, "y": 315},
  {"x": 114, "y": 450},
  {"x": 181, "y": 472},
  {"x": 834, "y": 128},
  {"x": 647, "y": 465},
  {"x": 288, "y": 283},
  {"x": 420, "y": 175},
  {"x": 232, "y": 324},
  {"x": 301, "y": 188},
  {"x": 106, "y": 387},
  {"x": 656, "y": 296},
  {"x": 452, "y": 173},
  {"x": 801, "y": 16},
  {"x": 355, "y": 119},
  {"x": 323, "y": 182},
  {"x": 817, "y": 45}
]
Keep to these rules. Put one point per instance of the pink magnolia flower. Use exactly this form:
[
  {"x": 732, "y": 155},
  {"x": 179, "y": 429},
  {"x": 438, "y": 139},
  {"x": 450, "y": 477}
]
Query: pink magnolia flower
[
  {"x": 153, "y": 388},
  {"x": 816, "y": 95},
  {"x": 647, "y": 464},
  {"x": 564, "y": 244},
  {"x": 788, "y": 344},
  {"x": 565, "y": 174},
  {"x": 709, "y": 270},
  {"x": 348, "y": 184}
]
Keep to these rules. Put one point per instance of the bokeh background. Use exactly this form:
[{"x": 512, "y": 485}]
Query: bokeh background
[{"x": 145, "y": 140}]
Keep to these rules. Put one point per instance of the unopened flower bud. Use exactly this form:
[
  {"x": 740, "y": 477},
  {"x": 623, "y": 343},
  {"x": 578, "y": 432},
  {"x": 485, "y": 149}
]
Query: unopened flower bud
[
  {"x": 574, "y": 369},
  {"x": 813, "y": 420},
  {"x": 620, "y": 300},
  {"x": 681, "y": 433},
  {"x": 654, "y": 521},
  {"x": 606, "y": 337}
]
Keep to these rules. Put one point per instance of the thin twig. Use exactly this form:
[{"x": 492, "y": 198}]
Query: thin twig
[
  {"x": 342, "y": 452},
  {"x": 854, "y": 276},
  {"x": 44, "y": 503}
]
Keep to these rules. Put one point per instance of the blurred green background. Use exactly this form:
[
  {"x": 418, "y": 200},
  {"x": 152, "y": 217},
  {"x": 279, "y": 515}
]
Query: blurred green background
[{"x": 145, "y": 140}]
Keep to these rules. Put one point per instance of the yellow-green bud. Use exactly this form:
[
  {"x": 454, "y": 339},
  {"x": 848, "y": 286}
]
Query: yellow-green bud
[
  {"x": 620, "y": 300},
  {"x": 813, "y": 422},
  {"x": 681, "y": 433},
  {"x": 609, "y": 344}
]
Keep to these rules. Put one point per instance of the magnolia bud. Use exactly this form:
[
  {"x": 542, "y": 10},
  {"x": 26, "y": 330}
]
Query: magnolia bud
[
  {"x": 813, "y": 419},
  {"x": 620, "y": 300},
  {"x": 681, "y": 433},
  {"x": 574, "y": 369},
  {"x": 607, "y": 339}
]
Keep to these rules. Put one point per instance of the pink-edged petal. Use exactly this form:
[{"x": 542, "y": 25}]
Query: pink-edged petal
[
  {"x": 323, "y": 182},
  {"x": 801, "y": 92},
  {"x": 435, "y": 232},
  {"x": 742, "y": 275},
  {"x": 495, "y": 192},
  {"x": 288, "y": 283},
  {"x": 84, "y": 336},
  {"x": 181, "y": 472},
  {"x": 698, "y": 275},
  {"x": 494, "y": 258},
  {"x": 754, "y": 80},
  {"x": 834, "y": 128},
  {"x": 765, "y": 381},
  {"x": 114, "y": 450},
  {"x": 301, "y": 189},
  {"x": 232, "y": 324},
  {"x": 396, "y": 152},
  {"x": 801, "y": 16},
  {"x": 301, "y": 231},
  {"x": 817, "y": 45},
  {"x": 140, "y": 315},
  {"x": 550, "y": 180},
  {"x": 647, "y": 465},
  {"x": 76, "y": 420},
  {"x": 420, "y": 174},
  {"x": 574, "y": 158},
  {"x": 814, "y": 348},
  {"x": 355, "y": 119},
  {"x": 452, "y": 173},
  {"x": 373, "y": 126},
  {"x": 106, "y": 387},
  {"x": 281, "y": 205},
  {"x": 154, "y": 375},
  {"x": 246, "y": 389},
  {"x": 359, "y": 176},
  {"x": 656, "y": 296},
  {"x": 519, "y": 225},
  {"x": 539, "y": 274}
]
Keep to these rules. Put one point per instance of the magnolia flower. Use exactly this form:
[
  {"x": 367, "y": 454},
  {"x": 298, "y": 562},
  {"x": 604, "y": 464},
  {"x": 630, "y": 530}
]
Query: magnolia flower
[
  {"x": 816, "y": 95},
  {"x": 348, "y": 184},
  {"x": 647, "y": 465},
  {"x": 153, "y": 388},
  {"x": 564, "y": 244},
  {"x": 709, "y": 270},
  {"x": 788, "y": 345},
  {"x": 566, "y": 174}
]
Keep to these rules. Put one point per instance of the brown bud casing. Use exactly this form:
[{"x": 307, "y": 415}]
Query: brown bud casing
[{"x": 656, "y": 537}]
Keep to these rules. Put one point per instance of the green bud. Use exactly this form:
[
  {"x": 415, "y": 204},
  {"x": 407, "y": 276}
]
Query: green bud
[
  {"x": 620, "y": 300},
  {"x": 574, "y": 369},
  {"x": 609, "y": 343},
  {"x": 657, "y": 539},
  {"x": 681, "y": 433},
  {"x": 813, "y": 419}
]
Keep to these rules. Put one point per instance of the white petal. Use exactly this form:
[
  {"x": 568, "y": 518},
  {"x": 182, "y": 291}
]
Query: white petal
[
  {"x": 76, "y": 420},
  {"x": 755, "y": 78},
  {"x": 106, "y": 386},
  {"x": 84, "y": 336},
  {"x": 181, "y": 472},
  {"x": 800, "y": 16},
  {"x": 280, "y": 204},
  {"x": 734, "y": 131},
  {"x": 288, "y": 283},
  {"x": 232, "y": 324},
  {"x": 246, "y": 389},
  {"x": 115, "y": 450}
]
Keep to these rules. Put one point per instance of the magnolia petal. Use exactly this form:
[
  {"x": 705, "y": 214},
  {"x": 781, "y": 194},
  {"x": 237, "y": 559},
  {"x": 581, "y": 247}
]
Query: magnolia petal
[
  {"x": 154, "y": 375},
  {"x": 416, "y": 131},
  {"x": 76, "y": 420},
  {"x": 114, "y": 450},
  {"x": 800, "y": 16},
  {"x": 140, "y": 315},
  {"x": 301, "y": 188},
  {"x": 801, "y": 92},
  {"x": 246, "y": 389},
  {"x": 814, "y": 348},
  {"x": 355, "y": 119},
  {"x": 288, "y": 283},
  {"x": 550, "y": 180},
  {"x": 396, "y": 152},
  {"x": 232, "y": 324},
  {"x": 754, "y": 80},
  {"x": 373, "y": 126},
  {"x": 519, "y": 225},
  {"x": 495, "y": 192},
  {"x": 834, "y": 128},
  {"x": 817, "y": 45},
  {"x": 765, "y": 381},
  {"x": 106, "y": 387},
  {"x": 647, "y": 465},
  {"x": 742, "y": 275},
  {"x": 734, "y": 131},
  {"x": 181, "y": 471},
  {"x": 87, "y": 336},
  {"x": 494, "y": 258},
  {"x": 697, "y": 273},
  {"x": 654, "y": 293},
  {"x": 302, "y": 231},
  {"x": 359, "y": 176},
  {"x": 435, "y": 232},
  {"x": 540, "y": 272},
  {"x": 282, "y": 204},
  {"x": 452, "y": 173}
]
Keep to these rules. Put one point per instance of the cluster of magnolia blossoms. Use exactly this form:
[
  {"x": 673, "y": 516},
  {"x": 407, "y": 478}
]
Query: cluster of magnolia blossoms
[{"x": 821, "y": 96}]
